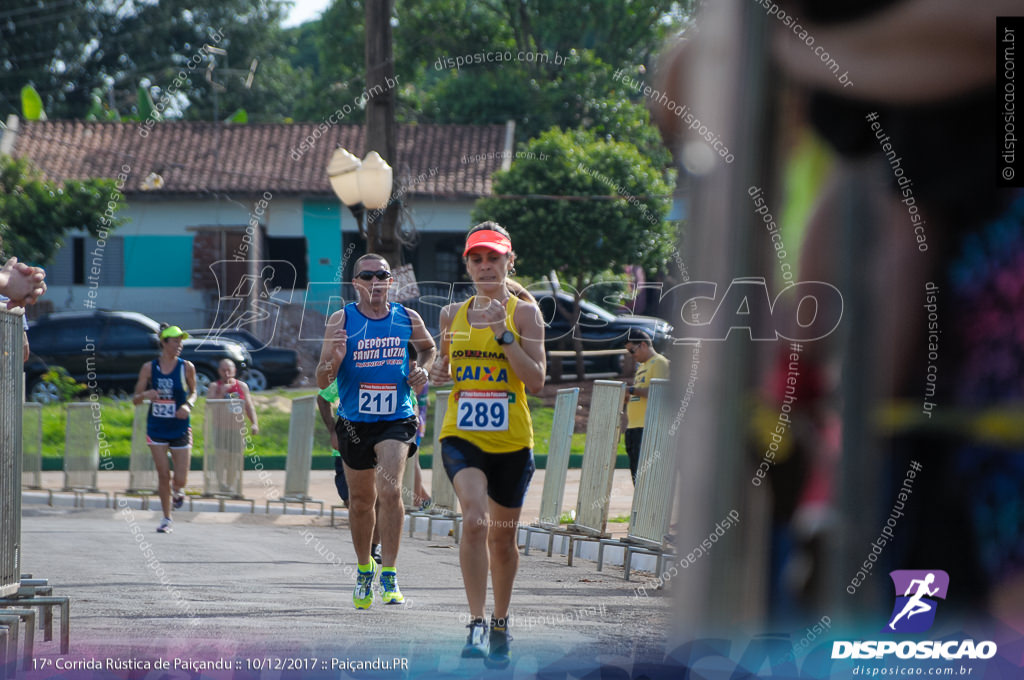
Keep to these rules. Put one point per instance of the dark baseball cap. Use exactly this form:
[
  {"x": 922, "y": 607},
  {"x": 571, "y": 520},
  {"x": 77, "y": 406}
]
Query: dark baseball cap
[{"x": 638, "y": 335}]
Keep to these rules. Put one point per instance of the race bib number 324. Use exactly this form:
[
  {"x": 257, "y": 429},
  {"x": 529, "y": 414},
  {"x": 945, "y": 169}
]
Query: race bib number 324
[
  {"x": 163, "y": 408},
  {"x": 486, "y": 411}
]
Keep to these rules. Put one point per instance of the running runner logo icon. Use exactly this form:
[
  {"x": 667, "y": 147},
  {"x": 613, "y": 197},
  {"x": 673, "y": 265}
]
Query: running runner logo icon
[{"x": 917, "y": 595}]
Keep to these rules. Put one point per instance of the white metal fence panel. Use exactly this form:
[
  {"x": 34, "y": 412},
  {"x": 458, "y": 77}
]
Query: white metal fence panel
[
  {"x": 81, "y": 448},
  {"x": 655, "y": 476},
  {"x": 223, "y": 448},
  {"x": 141, "y": 469},
  {"x": 555, "y": 471},
  {"x": 300, "y": 447},
  {"x": 32, "y": 445},
  {"x": 599, "y": 455},
  {"x": 12, "y": 394}
]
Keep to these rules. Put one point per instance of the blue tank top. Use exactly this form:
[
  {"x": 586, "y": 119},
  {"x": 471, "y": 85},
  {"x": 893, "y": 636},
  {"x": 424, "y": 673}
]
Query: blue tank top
[
  {"x": 162, "y": 423},
  {"x": 372, "y": 379}
]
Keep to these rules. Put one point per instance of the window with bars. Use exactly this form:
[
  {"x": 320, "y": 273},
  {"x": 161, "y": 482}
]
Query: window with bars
[{"x": 83, "y": 260}]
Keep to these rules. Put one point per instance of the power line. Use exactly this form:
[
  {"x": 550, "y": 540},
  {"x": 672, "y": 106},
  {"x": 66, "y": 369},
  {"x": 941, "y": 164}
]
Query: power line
[{"x": 29, "y": 10}]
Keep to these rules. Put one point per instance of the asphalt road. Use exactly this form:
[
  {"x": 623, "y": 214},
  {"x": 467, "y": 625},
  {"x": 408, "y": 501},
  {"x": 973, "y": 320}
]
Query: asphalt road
[{"x": 270, "y": 596}]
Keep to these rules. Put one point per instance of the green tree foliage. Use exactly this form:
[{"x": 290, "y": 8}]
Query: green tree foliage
[
  {"x": 581, "y": 94},
  {"x": 42, "y": 43},
  {"x": 35, "y": 212},
  {"x": 31, "y": 104},
  {"x": 610, "y": 214},
  {"x": 593, "y": 37},
  {"x": 70, "y": 49},
  {"x": 339, "y": 62},
  {"x": 611, "y": 211}
]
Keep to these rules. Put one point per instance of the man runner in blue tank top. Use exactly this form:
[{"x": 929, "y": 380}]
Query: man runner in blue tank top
[{"x": 365, "y": 351}]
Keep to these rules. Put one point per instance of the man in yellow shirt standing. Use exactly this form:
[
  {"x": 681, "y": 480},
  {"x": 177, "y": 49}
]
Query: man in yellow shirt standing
[{"x": 649, "y": 365}]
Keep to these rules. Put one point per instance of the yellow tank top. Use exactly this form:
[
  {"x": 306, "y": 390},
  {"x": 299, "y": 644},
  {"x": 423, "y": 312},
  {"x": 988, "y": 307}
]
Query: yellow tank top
[{"x": 487, "y": 406}]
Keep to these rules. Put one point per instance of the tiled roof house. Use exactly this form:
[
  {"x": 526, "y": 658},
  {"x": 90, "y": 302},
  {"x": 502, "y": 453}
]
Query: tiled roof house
[{"x": 191, "y": 189}]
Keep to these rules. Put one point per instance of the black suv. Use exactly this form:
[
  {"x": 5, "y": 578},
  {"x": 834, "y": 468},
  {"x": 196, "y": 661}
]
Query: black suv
[
  {"x": 598, "y": 328},
  {"x": 270, "y": 366},
  {"x": 113, "y": 345}
]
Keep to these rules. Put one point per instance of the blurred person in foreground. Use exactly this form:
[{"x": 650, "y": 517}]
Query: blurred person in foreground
[{"x": 944, "y": 278}]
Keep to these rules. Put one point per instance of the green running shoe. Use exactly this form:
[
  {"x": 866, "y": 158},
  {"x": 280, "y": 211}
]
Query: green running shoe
[
  {"x": 362, "y": 596},
  {"x": 389, "y": 591}
]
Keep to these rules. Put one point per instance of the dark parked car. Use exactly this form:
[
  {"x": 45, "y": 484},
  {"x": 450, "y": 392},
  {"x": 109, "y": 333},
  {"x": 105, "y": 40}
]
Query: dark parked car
[
  {"x": 108, "y": 349},
  {"x": 599, "y": 329},
  {"x": 270, "y": 365}
]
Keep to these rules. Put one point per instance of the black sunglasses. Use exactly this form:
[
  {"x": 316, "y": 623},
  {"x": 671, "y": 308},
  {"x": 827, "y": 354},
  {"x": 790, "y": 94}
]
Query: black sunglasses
[{"x": 381, "y": 274}]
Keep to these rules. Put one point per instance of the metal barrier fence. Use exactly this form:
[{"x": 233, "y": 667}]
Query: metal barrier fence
[
  {"x": 599, "y": 455},
  {"x": 441, "y": 489},
  {"x": 32, "y": 445},
  {"x": 300, "y": 456},
  {"x": 559, "y": 448},
  {"x": 656, "y": 474},
  {"x": 445, "y": 505},
  {"x": 300, "y": 447},
  {"x": 409, "y": 484},
  {"x": 12, "y": 394},
  {"x": 597, "y": 473},
  {"x": 142, "y": 476},
  {"x": 223, "y": 448},
  {"x": 562, "y": 425},
  {"x": 81, "y": 448}
]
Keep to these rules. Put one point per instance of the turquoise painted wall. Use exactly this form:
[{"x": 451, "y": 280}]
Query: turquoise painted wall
[
  {"x": 157, "y": 261},
  {"x": 321, "y": 225}
]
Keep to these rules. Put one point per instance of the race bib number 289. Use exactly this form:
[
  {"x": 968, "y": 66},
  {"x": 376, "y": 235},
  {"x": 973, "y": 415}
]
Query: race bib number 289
[{"x": 487, "y": 411}]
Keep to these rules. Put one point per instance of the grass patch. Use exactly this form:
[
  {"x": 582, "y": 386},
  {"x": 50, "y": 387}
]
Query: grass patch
[{"x": 274, "y": 422}]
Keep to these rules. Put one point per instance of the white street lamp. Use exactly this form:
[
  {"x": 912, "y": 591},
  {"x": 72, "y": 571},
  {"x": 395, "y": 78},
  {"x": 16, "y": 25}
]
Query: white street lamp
[
  {"x": 360, "y": 184},
  {"x": 375, "y": 179},
  {"x": 343, "y": 173}
]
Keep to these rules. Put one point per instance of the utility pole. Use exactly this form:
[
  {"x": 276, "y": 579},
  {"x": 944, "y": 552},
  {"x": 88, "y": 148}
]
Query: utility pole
[{"x": 380, "y": 122}]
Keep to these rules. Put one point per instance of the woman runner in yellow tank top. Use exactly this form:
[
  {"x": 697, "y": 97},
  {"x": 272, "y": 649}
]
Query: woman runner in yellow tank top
[{"x": 492, "y": 346}]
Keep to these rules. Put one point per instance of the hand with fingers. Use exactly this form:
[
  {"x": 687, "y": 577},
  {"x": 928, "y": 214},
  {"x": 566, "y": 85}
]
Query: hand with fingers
[
  {"x": 339, "y": 345},
  {"x": 21, "y": 283},
  {"x": 440, "y": 372},
  {"x": 493, "y": 315},
  {"x": 417, "y": 376}
]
